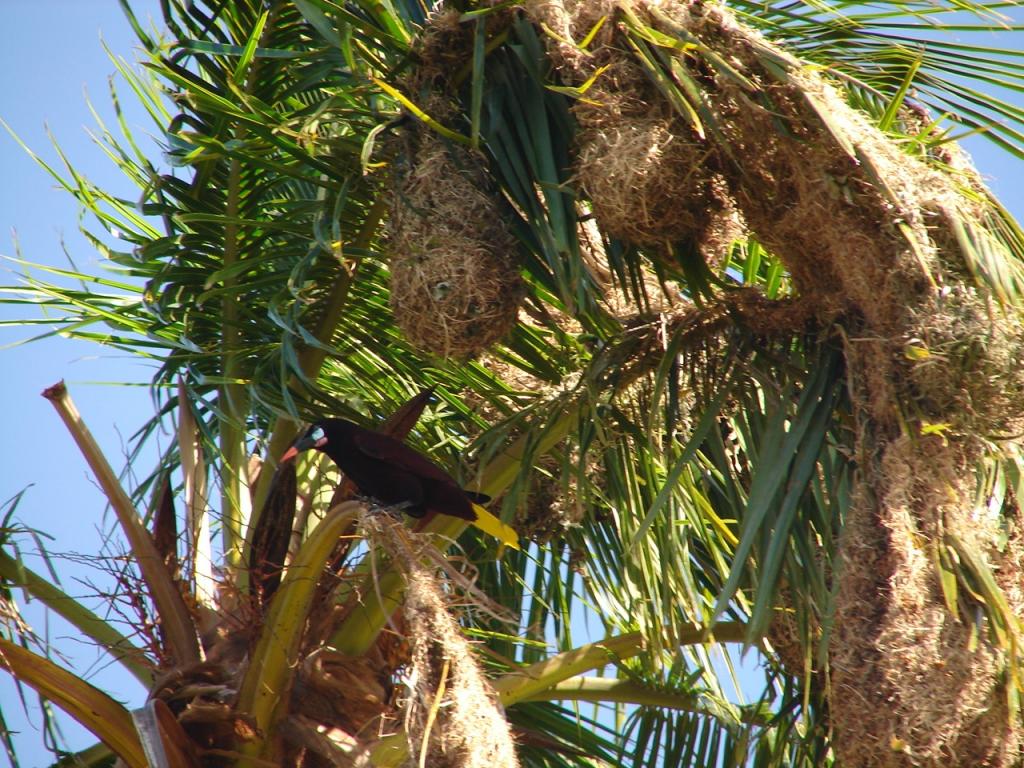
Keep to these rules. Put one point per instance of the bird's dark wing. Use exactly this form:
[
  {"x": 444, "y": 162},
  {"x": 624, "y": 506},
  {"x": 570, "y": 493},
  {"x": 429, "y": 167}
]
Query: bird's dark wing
[
  {"x": 397, "y": 487},
  {"x": 446, "y": 497},
  {"x": 399, "y": 455},
  {"x": 441, "y": 492}
]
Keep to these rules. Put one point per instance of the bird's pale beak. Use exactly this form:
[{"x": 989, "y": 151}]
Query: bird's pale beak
[{"x": 302, "y": 444}]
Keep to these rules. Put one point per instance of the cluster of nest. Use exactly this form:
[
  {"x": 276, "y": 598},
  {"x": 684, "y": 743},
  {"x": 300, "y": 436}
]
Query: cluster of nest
[
  {"x": 642, "y": 168},
  {"x": 853, "y": 218},
  {"x": 915, "y": 683},
  {"x": 455, "y": 285},
  {"x": 869, "y": 236}
]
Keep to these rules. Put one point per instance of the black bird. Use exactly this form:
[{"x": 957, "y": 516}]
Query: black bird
[{"x": 394, "y": 474}]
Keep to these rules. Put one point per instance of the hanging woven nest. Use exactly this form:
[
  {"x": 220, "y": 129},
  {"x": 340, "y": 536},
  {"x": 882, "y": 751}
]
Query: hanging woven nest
[
  {"x": 455, "y": 279},
  {"x": 644, "y": 173},
  {"x": 644, "y": 169}
]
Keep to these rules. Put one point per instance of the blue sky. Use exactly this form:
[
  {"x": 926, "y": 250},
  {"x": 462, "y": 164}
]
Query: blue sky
[{"x": 51, "y": 57}]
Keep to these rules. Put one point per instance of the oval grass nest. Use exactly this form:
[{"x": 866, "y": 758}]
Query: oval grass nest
[
  {"x": 965, "y": 364},
  {"x": 645, "y": 171},
  {"x": 643, "y": 180},
  {"x": 455, "y": 280}
]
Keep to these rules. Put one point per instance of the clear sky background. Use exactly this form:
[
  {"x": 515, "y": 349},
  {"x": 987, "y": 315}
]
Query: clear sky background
[{"x": 51, "y": 60}]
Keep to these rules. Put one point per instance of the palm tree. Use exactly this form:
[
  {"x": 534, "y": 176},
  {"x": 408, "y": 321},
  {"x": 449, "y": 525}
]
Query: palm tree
[{"x": 711, "y": 305}]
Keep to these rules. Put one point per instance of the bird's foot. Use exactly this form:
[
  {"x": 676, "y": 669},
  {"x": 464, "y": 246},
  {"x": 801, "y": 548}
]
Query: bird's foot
[{"x": 391, "y": 510}]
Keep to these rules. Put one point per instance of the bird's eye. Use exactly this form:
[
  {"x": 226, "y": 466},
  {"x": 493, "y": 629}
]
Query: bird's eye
[{"x": 316, "y": 433}]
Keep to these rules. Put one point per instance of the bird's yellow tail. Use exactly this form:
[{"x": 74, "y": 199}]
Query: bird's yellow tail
[{"x": 489, "y": 524}]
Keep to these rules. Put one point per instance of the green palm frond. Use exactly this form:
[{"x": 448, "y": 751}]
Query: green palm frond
[{"x": 676, "y": 436}]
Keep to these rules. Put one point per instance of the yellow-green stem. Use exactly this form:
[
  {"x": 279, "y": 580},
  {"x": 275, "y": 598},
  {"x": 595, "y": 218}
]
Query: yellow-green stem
[
  {"x": 263, "y": 693},
  {"x": 527, "y": 683},
  {"x": 90, "y": 706},
  {"x": 233, "y": 400},
  {"x": 604, "y": 690},
  {"x": 236, "y": 502}
]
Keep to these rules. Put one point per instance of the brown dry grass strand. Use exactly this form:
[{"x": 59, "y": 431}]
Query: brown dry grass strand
[{"x": 453, "y": 717}]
